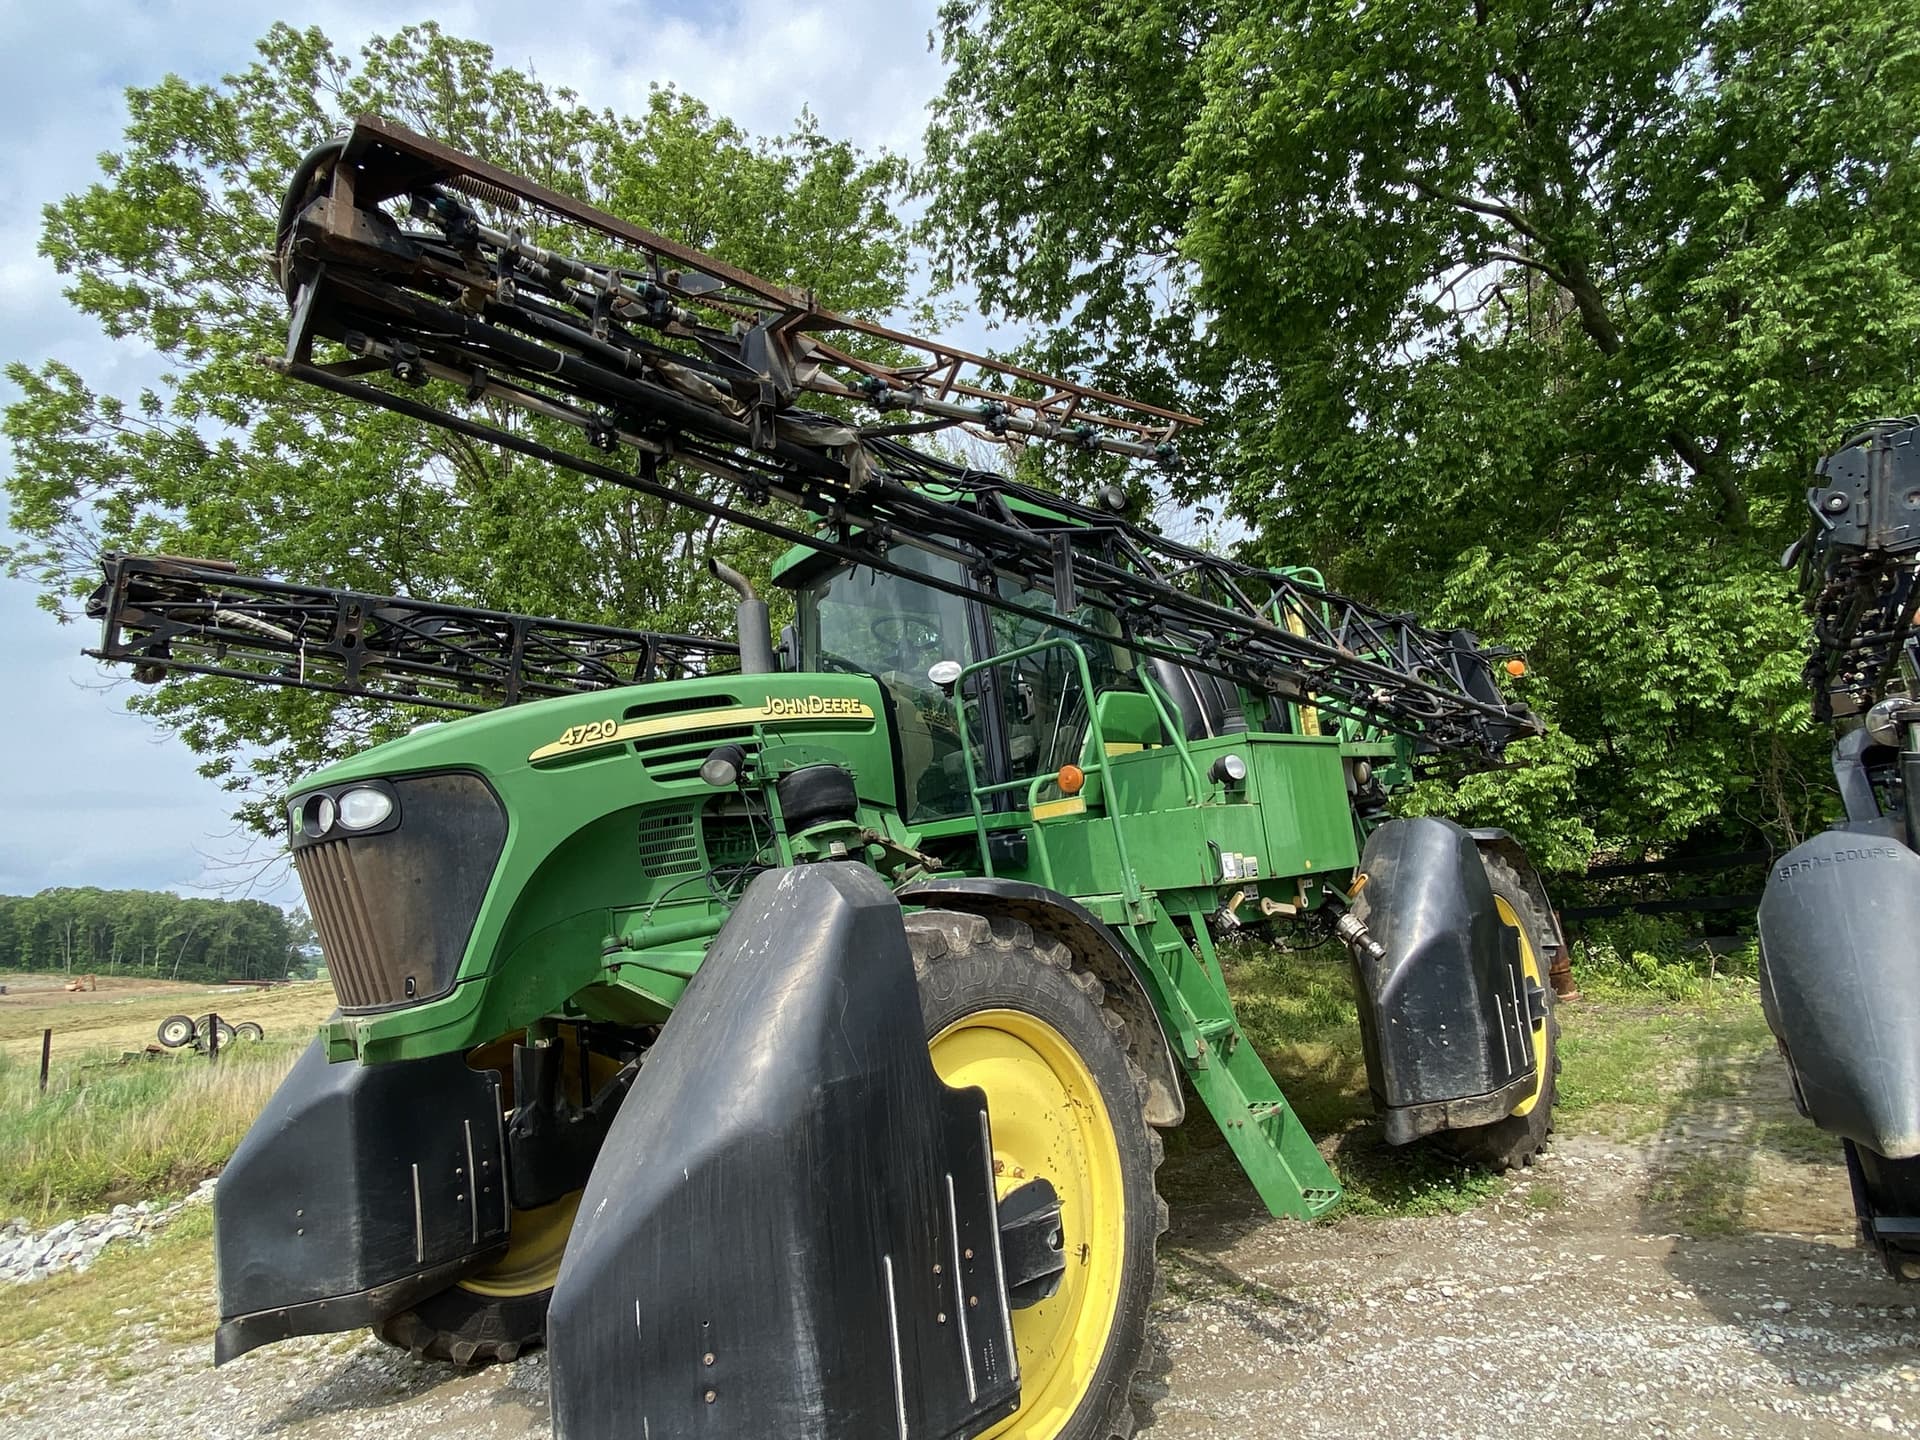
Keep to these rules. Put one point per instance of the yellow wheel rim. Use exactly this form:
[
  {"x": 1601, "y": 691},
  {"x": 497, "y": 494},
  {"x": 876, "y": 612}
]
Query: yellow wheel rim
[
  {"x": 1049, "y": 1120},
  {"x": 1530, "y": 967},
  {"x": 537, "y": 1238},
  {"x": 535, "y": 1243}
]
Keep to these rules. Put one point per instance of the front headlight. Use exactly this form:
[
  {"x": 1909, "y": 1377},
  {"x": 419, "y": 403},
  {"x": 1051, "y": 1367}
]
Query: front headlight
[
  {"x": 313, "y": 816},
  {"x": 364, "y": 808}
]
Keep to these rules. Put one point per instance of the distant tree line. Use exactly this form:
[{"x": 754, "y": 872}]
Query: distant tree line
[{"x": 150, "y": 932}]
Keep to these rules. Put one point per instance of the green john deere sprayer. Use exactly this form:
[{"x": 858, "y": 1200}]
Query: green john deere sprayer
[{"x": 781, "y": 1032}]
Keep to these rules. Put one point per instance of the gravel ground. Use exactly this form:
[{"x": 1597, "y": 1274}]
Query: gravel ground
[
  {"x": 1568, "y": 1302},
  {"x": 27, "y": 1255}
]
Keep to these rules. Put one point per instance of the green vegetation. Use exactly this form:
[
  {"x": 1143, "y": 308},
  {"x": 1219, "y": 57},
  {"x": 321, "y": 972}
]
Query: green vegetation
[
  {"x": 1702, "y": 1195},
  {"x": 151, "y": 932},
  {"x": 169, "y": 249},
  {"x": 1630, "y": 1067},
  {"x": 105, "y": 1132},
  {"x": 1632, "y": 954},
  {"x": 1531, "y": 318}
]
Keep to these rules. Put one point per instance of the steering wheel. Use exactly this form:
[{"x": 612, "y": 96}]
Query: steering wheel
[
  {"x": 901, "y": 631},
  {"x": 908, "y": 637}
]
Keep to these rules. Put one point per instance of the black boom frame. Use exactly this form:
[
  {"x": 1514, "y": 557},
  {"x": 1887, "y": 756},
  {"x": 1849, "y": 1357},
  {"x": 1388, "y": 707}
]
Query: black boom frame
[
  {"x": 418, "y": 263},
  {"x": 198, "y": 616},
  {"x": 1858, "y": 563}
]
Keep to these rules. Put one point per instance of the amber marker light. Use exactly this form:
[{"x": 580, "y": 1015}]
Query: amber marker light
[
  {"x": 1516, "y": 667},
  {"x": 1070, "y": 779}
]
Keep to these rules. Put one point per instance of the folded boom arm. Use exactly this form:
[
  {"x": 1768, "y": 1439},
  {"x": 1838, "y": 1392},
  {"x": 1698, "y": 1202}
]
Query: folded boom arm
[
  {"x": 199, "y": 617},
  {"x": 419, "y": 264}
]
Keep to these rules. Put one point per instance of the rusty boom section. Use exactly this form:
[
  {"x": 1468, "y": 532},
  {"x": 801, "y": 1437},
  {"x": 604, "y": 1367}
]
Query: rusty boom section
[{"x": 436, "y": 285}]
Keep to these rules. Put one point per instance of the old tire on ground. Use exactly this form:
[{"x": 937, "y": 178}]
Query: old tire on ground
[
  {"x": 1008, "y": 1011},
  {"x": 1514, "y": 1141},
  {"x": 177, "y": 1030},
  {"x": 205, "y": 1026},
  {"x": 248, "y": 1030}
]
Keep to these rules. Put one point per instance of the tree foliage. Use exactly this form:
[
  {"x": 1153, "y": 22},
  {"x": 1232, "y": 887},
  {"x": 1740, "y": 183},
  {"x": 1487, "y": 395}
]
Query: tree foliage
[
  {"x": 150, "y": 932},
  {"x": 170, "y": 252},
  {"x": 1528, "y": 315}
]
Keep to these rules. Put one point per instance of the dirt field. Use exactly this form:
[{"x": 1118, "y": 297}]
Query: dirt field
[
  {"x": 1695, "y": 1279},
  {"x": 123, "y": 1014}
]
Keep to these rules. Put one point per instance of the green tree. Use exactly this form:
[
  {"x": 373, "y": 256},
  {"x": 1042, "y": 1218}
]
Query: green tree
[
  {"x": 148, "y": 932},
  {"x": 304, "y": 957},
  {"x": 171, "y": 249},
  {"x": 1528, "y": 315}
]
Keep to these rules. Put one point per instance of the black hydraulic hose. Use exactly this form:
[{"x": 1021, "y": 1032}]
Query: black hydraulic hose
[{"x": 297, "y": 197}]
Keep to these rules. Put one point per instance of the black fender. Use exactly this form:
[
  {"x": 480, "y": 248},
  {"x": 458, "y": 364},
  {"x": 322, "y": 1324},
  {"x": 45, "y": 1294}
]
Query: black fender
[
  {"x": 1840, "y": 983},
  {"x": 360, "y": 1190},
  {"x": 1445, "y": 1014},
  {"x": 791, "y": 1230},
  {"x": 1060, "y": 917}
]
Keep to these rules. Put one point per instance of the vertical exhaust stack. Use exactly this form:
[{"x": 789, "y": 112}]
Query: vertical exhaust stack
[{"x": 750, "y": 621}]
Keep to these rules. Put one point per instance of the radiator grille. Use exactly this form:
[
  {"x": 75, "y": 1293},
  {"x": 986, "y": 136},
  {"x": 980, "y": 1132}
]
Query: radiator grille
[
  {"x": 669, "y": 846},
  {"x": 361, "y": 975},
  {"x": 395, "y": 909}
]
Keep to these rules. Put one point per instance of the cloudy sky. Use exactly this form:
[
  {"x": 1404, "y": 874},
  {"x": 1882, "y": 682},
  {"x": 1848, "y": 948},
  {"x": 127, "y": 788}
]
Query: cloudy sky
[{"x": 90, "y": 795}]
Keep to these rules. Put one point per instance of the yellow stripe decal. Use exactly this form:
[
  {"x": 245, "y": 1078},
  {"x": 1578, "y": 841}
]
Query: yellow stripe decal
[{"x": 778, "y": 710}]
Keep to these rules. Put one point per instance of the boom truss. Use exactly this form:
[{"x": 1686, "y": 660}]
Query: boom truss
[
  {"x": 419, "y": 263},
  {"x": 199, "y": 617},
  {"x": 1858, "y": 564}
]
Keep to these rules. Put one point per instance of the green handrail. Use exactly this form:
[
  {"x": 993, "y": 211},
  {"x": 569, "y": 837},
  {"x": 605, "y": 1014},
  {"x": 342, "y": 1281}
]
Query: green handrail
[{"x": 976, "y": 791}]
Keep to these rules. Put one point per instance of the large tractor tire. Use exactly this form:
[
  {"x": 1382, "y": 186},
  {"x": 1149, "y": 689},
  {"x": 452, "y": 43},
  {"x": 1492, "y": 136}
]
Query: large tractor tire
[
  {"x": 1512, "y": 1142},
  {"x": 500, "y": 1311},
  {"x": 1010, "y": 1012}
]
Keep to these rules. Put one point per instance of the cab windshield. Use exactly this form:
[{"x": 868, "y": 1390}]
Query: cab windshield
[{"x": 895, "y": 629}]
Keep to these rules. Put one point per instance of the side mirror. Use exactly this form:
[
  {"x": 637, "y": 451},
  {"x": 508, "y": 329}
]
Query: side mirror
[{"x": 1888, "y": 719}]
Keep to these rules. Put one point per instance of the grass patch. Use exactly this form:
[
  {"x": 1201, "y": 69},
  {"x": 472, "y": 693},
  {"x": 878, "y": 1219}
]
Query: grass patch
[
  {"x": 1629, "y": 1066},
  {"x": 105, "y": 1133},
  {"x": 1379, "y": 1180},
  {"x": 133, "y": 1295},
  {"x": 1798, "y": 1139},
  {"x": 1703, "y": 1196},
  {"x": 1543, "y": 1195}
]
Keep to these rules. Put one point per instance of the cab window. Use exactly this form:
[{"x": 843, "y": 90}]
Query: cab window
[
  {"x": 895, "y": 628},
  {"x": 1044, "y": 708}
]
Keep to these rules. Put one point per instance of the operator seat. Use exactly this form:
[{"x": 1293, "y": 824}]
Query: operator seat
[{"x": 1207, "y": 704}]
